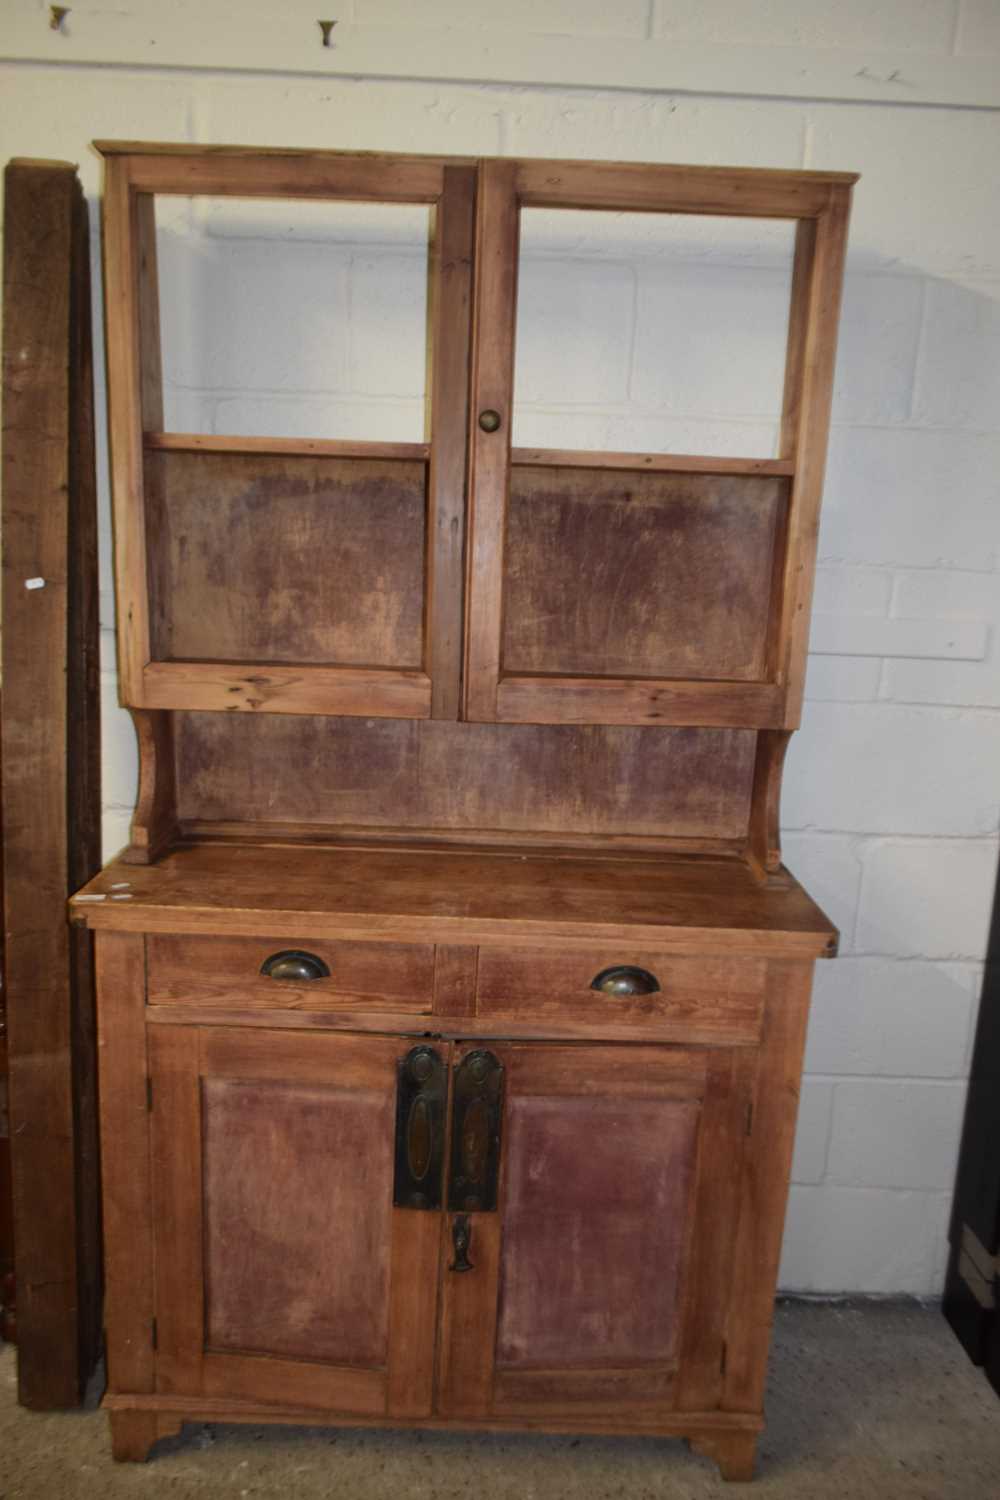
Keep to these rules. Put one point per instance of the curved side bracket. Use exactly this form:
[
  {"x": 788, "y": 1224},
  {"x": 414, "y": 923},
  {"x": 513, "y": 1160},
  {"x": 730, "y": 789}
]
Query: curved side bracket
[
  {"x": 764, "y": 841},
  {"x": 154, "y": 822}
]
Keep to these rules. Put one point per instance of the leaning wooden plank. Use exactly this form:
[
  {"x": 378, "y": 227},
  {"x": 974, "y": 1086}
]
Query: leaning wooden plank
[{"x": 51, "y": 776}]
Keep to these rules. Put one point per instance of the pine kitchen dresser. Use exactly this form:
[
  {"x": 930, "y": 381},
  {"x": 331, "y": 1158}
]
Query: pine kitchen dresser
[{"x": 452, "y": 991}]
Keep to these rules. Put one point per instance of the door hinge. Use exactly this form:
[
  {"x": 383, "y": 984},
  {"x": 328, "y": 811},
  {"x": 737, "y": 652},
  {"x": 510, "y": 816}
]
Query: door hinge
[
  {"x": 149, "y": 1092},
  {"x": 722, "y": 1361},
  {"x": 154, "y": 1334}
]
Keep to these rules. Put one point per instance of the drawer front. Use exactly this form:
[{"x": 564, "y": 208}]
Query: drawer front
[
  {"x": 697, "y": 1000},
  {"x": 227, "y": 971}
]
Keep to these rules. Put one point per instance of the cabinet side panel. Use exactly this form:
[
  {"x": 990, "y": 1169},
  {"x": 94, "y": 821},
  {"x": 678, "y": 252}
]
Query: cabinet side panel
[
  {"x": 296, "y": 1240},
  {"x": 525, "y": 779}
]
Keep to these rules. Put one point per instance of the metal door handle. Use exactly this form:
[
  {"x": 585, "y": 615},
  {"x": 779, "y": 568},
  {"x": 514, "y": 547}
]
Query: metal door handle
[
  {"x": 421, "y": 1109},
  {"x": 461, "y": 1238},
  {"x": 475, "y": 1134}
]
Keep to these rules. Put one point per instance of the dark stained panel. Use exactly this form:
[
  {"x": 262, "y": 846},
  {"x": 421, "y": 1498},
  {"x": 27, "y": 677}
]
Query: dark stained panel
[
  {"x": 639, "y": 574},
  {"x": 518, "y": 778},
  {"x": 263, "y": 558}
]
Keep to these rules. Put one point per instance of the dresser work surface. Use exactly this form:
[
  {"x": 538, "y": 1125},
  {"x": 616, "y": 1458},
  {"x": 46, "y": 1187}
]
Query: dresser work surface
[{"x": 454, "y": 896}]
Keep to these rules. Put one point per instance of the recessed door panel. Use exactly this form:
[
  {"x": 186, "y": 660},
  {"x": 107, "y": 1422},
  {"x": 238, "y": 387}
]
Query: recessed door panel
[
  {"x": 624, "y": 574},
  {"x": 594, "y": 1230},
  {"x": 297, "y": 1239},
  {"x": 276, "y": 560}
]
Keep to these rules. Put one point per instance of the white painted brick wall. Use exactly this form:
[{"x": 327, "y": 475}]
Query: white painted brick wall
[
  {"x": 891, "y": 811},
  {"x": 920, "y": 25}
]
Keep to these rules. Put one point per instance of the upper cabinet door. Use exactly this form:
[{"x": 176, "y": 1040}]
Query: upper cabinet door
[
  {"x": 651, "y": 374},
  {"x": 287, "y": 351}
]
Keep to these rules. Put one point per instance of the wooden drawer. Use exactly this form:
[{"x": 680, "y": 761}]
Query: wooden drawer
[
  {"x": 227, "y": 971},
  {"x": 699, "y": 999}
]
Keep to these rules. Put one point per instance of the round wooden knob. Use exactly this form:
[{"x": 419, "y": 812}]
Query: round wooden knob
[{"x": 489, "y": 420}]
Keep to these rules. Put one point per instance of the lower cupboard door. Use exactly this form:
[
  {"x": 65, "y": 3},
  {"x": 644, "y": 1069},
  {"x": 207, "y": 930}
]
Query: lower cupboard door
[
  {"x": 598, "y": 1289},
  {"x": 283, "y": 1272}
]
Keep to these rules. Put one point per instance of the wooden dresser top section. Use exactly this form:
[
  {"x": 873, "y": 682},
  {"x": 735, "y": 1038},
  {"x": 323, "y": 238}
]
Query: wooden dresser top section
[{"x": 451, "y": 896}]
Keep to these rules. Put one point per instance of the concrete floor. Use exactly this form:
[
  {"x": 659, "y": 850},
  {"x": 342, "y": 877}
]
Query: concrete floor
[{"x": 867, "y": 1402}]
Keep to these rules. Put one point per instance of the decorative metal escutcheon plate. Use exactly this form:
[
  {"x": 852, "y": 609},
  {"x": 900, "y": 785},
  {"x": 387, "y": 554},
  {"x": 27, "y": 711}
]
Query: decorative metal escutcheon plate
[
  {"x": 475, "y": 1134},
  {"x": 421, "y": 1109}
]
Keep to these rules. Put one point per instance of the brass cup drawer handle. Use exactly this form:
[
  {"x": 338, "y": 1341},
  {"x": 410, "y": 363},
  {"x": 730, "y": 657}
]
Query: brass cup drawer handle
[
  {"x": 294, "y": 966},
  {"x": 625, "y": 979}
]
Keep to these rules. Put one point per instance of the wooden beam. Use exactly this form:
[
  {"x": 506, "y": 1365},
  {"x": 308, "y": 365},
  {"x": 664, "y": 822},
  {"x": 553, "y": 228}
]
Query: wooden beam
[{"x": 51, "y": 773}]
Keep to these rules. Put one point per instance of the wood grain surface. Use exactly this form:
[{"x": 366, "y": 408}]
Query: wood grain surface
[
  {"x": 51, "y": 790},
  {"x": 274, "y": 559},
  {"x": 700, "y": 999},
  {"x": 227, "y": 970},
  {"x": 420, "y": 895},
  {"x": 622, "y": 574},
  {"x": 576, "y": 781}
]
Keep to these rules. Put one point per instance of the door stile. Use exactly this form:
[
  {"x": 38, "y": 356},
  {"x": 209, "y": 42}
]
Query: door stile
[
  {"x": 126, "y": 1161},
  {"x": 415, "y": 1295},
  {"x": 815, "y": 314},
  {"x": 175, "y": 1071},
  {"x": 707, "y": 1276},
  {"x": 763, "y": 1187},
  {"x": 123, "y": 278},
  {"x": 469, "y": 1299},
  {"x": 448, "y": 354},
  {"x": 494, "y": 318}
]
